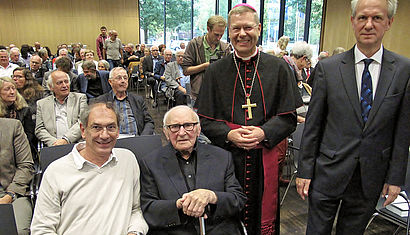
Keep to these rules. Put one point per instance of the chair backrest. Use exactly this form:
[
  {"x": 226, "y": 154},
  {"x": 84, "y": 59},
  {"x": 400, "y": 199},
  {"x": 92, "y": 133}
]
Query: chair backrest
[
  {"x": 7, "y": 221},
  {"x": 140, "y": 145},
  {"x": 50, "y": 154}
]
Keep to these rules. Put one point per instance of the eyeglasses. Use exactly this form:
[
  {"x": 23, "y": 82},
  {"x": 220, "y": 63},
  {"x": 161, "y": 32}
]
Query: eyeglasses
[
  {"x": 110, "y": 128},
  {"x": 119, "y": 78},
  {"x": 154, "y": 50},
  {"x": 187, "y": 126}
]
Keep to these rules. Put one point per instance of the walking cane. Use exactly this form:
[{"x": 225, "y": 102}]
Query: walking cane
[{"x": 201, "y": 225}]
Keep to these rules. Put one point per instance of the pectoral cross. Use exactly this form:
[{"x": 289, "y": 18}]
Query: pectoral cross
[{"x": 249, "y": 106}]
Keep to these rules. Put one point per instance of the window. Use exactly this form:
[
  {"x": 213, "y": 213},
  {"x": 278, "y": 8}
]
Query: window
[
  {"x": 178, "y": 23},
  {"x": 151, "y": 21},
  {"x": 270, "y": 34}
]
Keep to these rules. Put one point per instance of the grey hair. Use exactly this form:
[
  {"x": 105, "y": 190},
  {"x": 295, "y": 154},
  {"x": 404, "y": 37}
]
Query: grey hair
[
  {"x": 300, "y": 49},
  {"x": 180, "y": 51},
  {"x": 4, "y": 50},
  {"x": 41, "y": 60},
  {"x": 88, "y": 64},
  {"x": 114, "y": 70},
  {"x": 105, "y": 63},
  {"x": 50, "y": 79},
  {"x": 186, "y": 108},
  {"x": 391, "y": 7},
  {"x": 62, "y": 49},
  {"x": 42, "y": 52},
  {"x": 86, "y": 113},
  {"x": 15, "y": 49}
]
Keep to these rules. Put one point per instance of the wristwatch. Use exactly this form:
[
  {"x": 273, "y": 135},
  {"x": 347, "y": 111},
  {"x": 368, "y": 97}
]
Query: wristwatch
[{"x": 12, "y": 195}]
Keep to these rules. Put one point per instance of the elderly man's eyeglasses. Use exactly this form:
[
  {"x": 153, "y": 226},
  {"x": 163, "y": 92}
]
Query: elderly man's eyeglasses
[
  {"x": 187, "y": 126},
  {"x": 110, "y": 128},
  {"x": 119, "y": 78}
]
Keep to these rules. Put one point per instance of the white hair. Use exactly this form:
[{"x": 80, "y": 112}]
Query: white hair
[
  {"x": 184, "y": 107},
  {"x": 50, "y": 79},
  {"x": 114, "y": 70},
  {"x": 300, "y": 49},
  {"x": 391, "y": 7}
]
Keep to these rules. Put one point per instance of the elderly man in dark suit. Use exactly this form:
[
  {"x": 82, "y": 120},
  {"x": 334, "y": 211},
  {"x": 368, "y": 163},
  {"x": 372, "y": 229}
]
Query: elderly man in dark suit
[
  {"x": 356, "y": 138},
  {"x": 134, "y": 116},
  {"x": 16, "y": 171},
  {"x": 177, "y": 185}
]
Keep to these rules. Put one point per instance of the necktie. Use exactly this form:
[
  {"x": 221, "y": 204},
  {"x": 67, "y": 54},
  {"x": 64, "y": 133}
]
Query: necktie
[{"x": 366, "y": 94}]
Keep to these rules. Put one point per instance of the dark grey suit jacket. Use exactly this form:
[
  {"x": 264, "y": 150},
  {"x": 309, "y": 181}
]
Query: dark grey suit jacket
[
  {"x": 335, "y": 138},
  {"x": 145, "y": 123},
  {"x": 162, "y": 183}
]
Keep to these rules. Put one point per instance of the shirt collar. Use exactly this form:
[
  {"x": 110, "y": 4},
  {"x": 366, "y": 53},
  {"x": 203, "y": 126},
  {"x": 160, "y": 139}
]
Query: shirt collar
[
  {"x": 114, "y": 97},
  {"x": 79, "y": 160},
  {"x": 359, "y": 56},
  {"x": 207, "y": 46},
  {"x": 65, "y": 99},
  {"x": 178, "y": 153}
]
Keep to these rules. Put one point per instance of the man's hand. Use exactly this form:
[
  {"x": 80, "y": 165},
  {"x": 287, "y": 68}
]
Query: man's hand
[
  {"x": 257, "y": 133},
  {"x": 6, "y": 199},
  {"x": 60, "y": 142},
  {"x": 391, "y": 190},
  {"x": 182, "y": 89},
  {"x": 302, "y": 186},
  {"x": 194, "y": 203}
]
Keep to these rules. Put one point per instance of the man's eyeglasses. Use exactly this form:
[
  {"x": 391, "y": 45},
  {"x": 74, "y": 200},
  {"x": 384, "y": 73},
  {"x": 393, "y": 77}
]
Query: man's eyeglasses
[
  {"x": 248, "y": 28},
  {"x": 187, "y": 126},
  {"x": 110, "y": 128}
]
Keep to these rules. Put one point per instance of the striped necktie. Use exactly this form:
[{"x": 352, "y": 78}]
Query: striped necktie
[{"x": 366, "y": 94}]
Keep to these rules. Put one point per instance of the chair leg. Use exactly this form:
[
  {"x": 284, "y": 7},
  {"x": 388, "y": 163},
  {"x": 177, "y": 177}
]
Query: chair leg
[
  {"x": 397, "y": 230},
  {"x": 287, "y": 188}
]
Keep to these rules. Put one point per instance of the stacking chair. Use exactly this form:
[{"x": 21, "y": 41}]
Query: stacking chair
[
  {"x": 384, "y": 213},
  {"x": 140, "y": 145},
  {"x": 293, "y": 149},
  {"x": 7, "y": 220}
]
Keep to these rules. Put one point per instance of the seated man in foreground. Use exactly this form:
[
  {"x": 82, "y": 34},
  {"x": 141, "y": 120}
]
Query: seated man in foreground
[
  {"x": 177, "y": 185},
  {"x": 134, "y": 116},
  {"x": 95, "y": 188},
  {"x": 16, "y": 171}
]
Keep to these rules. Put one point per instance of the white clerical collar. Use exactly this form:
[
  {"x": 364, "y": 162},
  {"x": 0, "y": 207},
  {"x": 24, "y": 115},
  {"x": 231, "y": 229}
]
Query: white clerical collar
[{"x": 247, "y": 58}]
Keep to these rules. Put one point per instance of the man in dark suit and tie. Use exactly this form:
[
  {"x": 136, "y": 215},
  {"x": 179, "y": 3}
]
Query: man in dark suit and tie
[
  {"x": 185, "y": 180},
  {"x": 356, "y": 138}
]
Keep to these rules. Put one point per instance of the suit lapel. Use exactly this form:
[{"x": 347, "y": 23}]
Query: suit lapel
[
  {"x": 202, "y": 168},
  {"x": 385, "y": 79},
  {"x": 49, "y": 106},
  {"x": 347, "y": 72},
  {"x": 70, "y": 106},
  {"x": 171, "y": 167}
]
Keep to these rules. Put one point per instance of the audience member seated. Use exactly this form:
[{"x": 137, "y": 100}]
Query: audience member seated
[
  {"x": 148, "y": 66},
  {"x": 16, "y": 172},
  {"x": 91, "y": 82},
  {"x": 159, "y": 72},
  {"x": 15, "y": 57},
  {"x": 25, "y": 54},
  {"x": 6, "y": 68},
  {"x": 103, "y": 65},
  {"x": 63, "y": 64},
  {"x": 95, "y": 189},
  {"x": 89, "y": 56},
  {"x": 13, "y": 105},
  {"x": 78, "y": 64},
  {"x": 134, "y": 116},
  {"x": 63, "y": 52},
  {"x": 29, "y": 88},
  {"x": 37, "y": 47},
  {"x": 46, "y": 65},
  {"x": 140, "y": 50},
  {"x": 57, "y": 117},
  {"x": 129, "y": 55},
  {"x": 175, "y": 80},
  {"x": 338, "y": 50},
  {"x": 36, "y": 68},
  {"x": 177, "y": 185}
]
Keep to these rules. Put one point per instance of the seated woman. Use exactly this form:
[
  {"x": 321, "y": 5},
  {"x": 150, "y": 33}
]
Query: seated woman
[
  {"x": 29, "y": 88},
  {"x": 13, "y": 105}
]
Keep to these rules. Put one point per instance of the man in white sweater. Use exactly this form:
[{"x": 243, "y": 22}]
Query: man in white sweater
[{"x": 94, "y": 189}]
